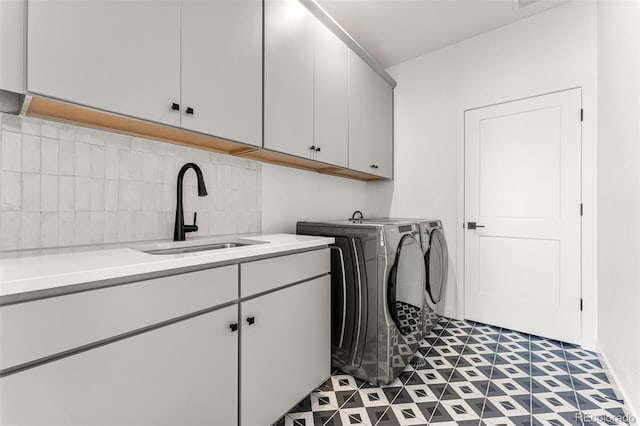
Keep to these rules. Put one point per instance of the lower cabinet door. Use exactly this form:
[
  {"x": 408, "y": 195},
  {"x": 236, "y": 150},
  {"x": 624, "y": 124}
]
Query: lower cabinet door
[
  {"x": 181, "y": 374},
  {"x": 286, "y": 349}
]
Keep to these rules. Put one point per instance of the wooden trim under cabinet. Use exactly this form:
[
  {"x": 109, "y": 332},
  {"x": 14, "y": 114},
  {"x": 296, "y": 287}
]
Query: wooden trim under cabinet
[
  {"x": 51, "y": 109},
  {"x": 61, "y": 111}
]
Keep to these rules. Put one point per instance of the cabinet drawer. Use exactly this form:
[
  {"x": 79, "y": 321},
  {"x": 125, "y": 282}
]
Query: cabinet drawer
[
  {"x": 264, "y": 275},
  {"x": 33, "y": 330}
]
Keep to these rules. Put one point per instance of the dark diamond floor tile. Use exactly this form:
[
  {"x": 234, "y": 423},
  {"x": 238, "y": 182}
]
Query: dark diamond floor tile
[
  {"x": 343, "y": 396},
  {"x": 382, "y": 416},
  {"x": 439, "y": 414},
  {"x": 334, "y": 420}
]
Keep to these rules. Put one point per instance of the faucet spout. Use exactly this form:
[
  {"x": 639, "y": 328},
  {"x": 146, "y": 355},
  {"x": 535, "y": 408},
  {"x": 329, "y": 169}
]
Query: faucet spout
[{"x": 180, "y": 229}]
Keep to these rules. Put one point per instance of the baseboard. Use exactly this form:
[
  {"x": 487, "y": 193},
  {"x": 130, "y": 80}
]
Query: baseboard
[{"x": 629, "y": 405}]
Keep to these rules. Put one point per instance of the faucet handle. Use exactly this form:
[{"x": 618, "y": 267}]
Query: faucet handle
[{"x": 194, "y": 227}]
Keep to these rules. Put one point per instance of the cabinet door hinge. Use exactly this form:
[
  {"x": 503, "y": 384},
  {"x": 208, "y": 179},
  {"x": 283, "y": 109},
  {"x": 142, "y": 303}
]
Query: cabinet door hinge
[
  {"x": 581, "y": 209},
  {"x": 580, "y": 305},
  {"x": 581, "y": 114}
]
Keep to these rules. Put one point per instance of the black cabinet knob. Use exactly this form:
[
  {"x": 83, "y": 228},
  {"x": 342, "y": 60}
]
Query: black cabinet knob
[
  {"x": 318, "y": 149},
  {"x": 251, "y": 320},
  {"x": 233, "y": 327},
  {"x": 190, "y": 110},
  {"x": 175, "y": 106},
  {"x": 312, "y": 147}
]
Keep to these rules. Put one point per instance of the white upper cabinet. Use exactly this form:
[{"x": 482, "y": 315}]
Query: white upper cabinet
[
  {"x": 117, "y": 56},
  {"x": 288, "y": 77},
  {"x": 331, "y": 104},
  {"x": 222, "y": 68},
  {"x": 382, "y": 128},
  {"x": 370, "y": 120},
  {"x": 361, "y": 79}
]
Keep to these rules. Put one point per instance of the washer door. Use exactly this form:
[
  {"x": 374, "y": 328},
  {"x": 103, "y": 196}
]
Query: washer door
[
  {"x": 405, "y": 298},
  {"x": 436, "y": 263}
]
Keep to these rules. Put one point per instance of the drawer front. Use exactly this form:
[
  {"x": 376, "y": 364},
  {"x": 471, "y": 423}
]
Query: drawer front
[
  {"x": 33, "y": 330},
  {"x": 268, "y": 274}
]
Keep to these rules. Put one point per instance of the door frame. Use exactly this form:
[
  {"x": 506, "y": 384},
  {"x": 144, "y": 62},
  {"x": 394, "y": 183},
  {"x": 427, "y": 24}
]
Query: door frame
[{"x": 588, "y": 242}]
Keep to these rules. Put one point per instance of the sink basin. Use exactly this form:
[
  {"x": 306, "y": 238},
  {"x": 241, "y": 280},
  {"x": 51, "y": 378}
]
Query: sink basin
[{"x": 180, "y": 247}]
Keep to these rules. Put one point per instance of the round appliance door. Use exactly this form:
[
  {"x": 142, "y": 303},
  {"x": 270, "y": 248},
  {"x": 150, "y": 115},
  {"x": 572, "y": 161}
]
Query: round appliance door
[
  {"x": 436, "y": 263},
  {"x": 405, "y": 298}
]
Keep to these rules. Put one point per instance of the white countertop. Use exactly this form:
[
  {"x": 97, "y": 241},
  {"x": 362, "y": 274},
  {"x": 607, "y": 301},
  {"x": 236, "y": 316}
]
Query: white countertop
[{"x": 22, "y": 272}]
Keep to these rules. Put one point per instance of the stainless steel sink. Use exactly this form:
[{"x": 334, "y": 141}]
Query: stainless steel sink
[{"x": 178, "y": 248}]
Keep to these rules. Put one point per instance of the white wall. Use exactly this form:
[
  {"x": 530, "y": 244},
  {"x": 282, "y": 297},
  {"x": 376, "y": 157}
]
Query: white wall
[
  {"x": 290, "y": 195},
  {"x": 619, "y": 193},
  {"x": 551, "y": 51}
]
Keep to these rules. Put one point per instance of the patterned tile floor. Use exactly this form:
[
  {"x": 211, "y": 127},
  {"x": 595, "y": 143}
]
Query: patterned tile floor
[{"x": 469, "y": 373}]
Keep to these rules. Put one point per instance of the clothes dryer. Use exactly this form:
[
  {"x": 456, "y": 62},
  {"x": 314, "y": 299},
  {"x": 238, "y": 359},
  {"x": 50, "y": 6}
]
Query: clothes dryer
[{"x": 378, "y": 304}]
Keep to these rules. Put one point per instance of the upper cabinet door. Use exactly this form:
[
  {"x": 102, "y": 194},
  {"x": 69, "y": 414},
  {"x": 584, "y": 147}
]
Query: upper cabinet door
[
  {"x": 331, "y": 102},
  {"x": 361, "y": 81},
  {"x": 288, "y": 77},
  {"x": 222, "y": 68},
  {"x": 117, "y": 56},
  {"x": 382, "y": 128}
]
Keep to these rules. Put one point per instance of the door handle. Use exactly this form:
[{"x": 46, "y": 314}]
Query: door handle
[{"x": 473, "y": 225}]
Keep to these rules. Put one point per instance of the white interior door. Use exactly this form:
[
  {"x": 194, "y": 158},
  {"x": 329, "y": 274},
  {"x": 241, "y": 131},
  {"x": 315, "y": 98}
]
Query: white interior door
[{"x": 522, "y": 185}]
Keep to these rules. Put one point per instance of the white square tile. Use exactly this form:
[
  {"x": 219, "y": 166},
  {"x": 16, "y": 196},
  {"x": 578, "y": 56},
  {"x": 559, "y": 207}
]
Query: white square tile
[
  {"x": 49, "y": 193},
  {"x": 31, "y": 126},
  {"x": 66, "y": 193},
  {"x": 83, "y": 159},
  {"x": 49, "y": 156},
  {"x": 111, "y": 163},
  {"x": 30, "y": 237},
  {"x": 10, "y": 224},
  {"x": 83, "y": 228},
  {"x": 50, "y": 129},
  {"x": 97, "y": 227},
  {"x": 31, "y": 192},
  {"x": 11, "y": 151},
  {"x": 12, "y": 123},
  {"x": 10, "y": 191},
  {"x": 31, "y": 148},
  {"x": 110, "y": 227},
  {"x": 66, "y": 228},
  {"x": 148, "y": 196},
  {"x": 49, "y": 229},
  {"x": 136, "y": 165},
  {"x": 125, "y": 225},
  {"x": 111, "y": 195},
  {"x": 66, "y": 158},
  {"x": 97, "y": 161},
  {"x": 67, "y": 132},
  {"x": 97, "y": 195},
  {"x": 124, "y": 164},
  {"x": 135, "y": 194},
  {"x": 149, "y": 167},
  {"x": 83, "y": 194}
]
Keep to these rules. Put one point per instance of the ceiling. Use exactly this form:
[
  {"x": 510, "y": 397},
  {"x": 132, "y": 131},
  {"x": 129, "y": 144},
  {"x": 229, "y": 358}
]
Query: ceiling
[{"x": 394, "y": 31}]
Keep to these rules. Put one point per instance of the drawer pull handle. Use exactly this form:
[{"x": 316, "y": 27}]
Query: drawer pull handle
[
  {"x": 251, "y": 320},
  {"x": 233, "y": 327}
]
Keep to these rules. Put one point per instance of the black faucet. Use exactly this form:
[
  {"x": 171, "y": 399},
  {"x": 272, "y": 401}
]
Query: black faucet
[{"x": 180, "y": 228}]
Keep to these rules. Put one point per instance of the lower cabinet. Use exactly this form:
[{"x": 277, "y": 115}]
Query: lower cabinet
[
  {"x": 244, "y": 364},
  {"x": 184, "y": 373},
  {"x": 285, "y": 349}
]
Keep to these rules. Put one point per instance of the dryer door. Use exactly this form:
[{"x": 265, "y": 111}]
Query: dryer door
[
  {"x": 349, "y": 308},
  {"x": 436, "y": 263},
  {"x": 405, "y": 298}
]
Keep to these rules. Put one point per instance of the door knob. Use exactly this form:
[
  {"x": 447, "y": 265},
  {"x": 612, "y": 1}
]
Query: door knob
[
  {"x": 175, "y": 106},
  {"x": 251, "y": 320},
  {"x": 473, "y": 225},
  {"x": 190, "y": 110}
]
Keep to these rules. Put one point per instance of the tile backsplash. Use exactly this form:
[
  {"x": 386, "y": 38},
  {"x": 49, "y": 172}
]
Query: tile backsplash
[{"x": 64, "y": 185}]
